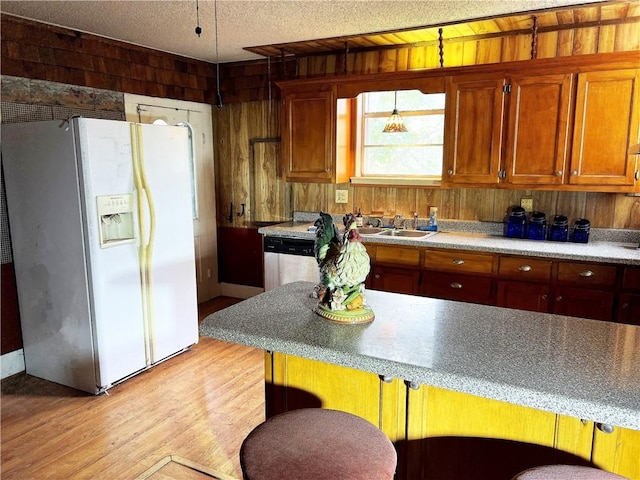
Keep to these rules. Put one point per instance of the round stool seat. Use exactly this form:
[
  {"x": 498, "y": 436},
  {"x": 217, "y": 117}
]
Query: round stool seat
[
  {"x": 318, "y": 444},
  {"x": 565, "y": 472}
]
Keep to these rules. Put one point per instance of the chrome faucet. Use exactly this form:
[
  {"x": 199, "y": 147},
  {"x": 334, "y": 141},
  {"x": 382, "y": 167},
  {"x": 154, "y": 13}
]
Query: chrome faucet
[
  {"x": 377, "y": 220},
  {"x": 397, "y": 218}
]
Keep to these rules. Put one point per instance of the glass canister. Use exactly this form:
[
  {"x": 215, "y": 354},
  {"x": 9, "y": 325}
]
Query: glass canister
[
  {"x": 516, "y": 223},
  {"x": 559, "y": 230},
  {"x": 537, "y": 226},
  {"x": 581, "y": 231}
]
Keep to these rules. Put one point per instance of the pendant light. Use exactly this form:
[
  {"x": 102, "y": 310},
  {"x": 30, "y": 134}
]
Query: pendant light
[{"x": 395, "y": 124}]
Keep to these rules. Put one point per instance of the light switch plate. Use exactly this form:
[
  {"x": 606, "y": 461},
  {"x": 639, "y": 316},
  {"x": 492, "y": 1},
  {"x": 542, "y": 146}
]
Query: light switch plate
[
  {"x": 527, "y": 204},
  {"x": 342, "y": 196}
]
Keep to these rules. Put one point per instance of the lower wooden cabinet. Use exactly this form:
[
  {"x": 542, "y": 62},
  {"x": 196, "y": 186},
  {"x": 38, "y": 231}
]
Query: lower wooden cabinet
[
  {"x": 457, "y": 286},
  {"x": 441, "y": 434},
  {"x": 395, "y": 279},
  {"x": 629, "y": 309},
  {"x": 533, "y": 297},
  {"x": 582, "y": 302}
]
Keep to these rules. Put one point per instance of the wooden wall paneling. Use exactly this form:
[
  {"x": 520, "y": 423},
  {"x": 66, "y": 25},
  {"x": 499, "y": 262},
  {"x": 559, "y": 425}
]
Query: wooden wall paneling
[
  {"x": 628, "y": 37},
  {"x": 565, "y": 43},
  {"x": 363, "y": 199},
  {"x": 387, "y": 60},
  {"x": 417, "y": 58},
  {"x": 406, "y": 201},
  {"x": 545, "y": 201},
  {"x": 547, "y": 44},
  {"x": 488, "y": 51},
  {"x": 384, "y": 200},
  {"x": 504, "y": 199},
  {"x": 402, "y": 59},
  {"x": 432, "y": 56},
  {"x": 585, "y": 40},
  {"x": 340, "y": 208},
  {"x": 600, "y": 209},
  {"x": 607, "y": 38},
  {"x": 469, "y": 53},
  {"x": 450, "y": 203},
  {"x": 330, "y": 64},
  {"x": 453, "y": 54},
  {"x": 627, "y": 213},
  {"x": 371, "y": 62},
  {"x": 429, "y": 197},
  {"x": 309, "y": 197},
  {"x": 572, "y": 205},
  {"x": 223, "y": 162},
  {"x": 476, "y": 204},
  {"x": 303, "y": 70}
]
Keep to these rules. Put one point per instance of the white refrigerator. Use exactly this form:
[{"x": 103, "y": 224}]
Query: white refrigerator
[{"x": 101, "y": 222}]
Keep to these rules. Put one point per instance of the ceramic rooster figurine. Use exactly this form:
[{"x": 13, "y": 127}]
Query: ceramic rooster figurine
[{"x": 344, "y": 265}]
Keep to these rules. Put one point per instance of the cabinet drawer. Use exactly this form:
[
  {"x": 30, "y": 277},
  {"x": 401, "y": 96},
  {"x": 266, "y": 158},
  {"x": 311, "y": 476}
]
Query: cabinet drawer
[
  {"x": 397, "y": 255},
  {"x": 454, "y": 286},
  {"x": 631, "y": 279},
  {"x": 587, "y": 274},
  {"x": 523, "y": 268},
  {"x": 455, "y": 261}
]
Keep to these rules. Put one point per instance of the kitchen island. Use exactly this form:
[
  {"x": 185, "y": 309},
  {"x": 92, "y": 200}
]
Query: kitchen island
[{"x": 428, "y": 368}]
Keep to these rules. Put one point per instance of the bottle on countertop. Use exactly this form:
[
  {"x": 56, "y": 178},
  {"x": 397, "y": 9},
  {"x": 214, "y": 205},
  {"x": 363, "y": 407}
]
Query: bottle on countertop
[
  {"x": 432, "y": 226},
  {"x": 359, "y": 219}
]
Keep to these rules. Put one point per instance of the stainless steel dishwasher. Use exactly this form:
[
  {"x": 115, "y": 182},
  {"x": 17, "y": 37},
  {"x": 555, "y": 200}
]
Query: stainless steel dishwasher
[{"x": 288, "y": 260}]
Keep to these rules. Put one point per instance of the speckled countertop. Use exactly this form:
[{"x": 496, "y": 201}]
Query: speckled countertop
[
  {"x": 605, "y": 245},
  {"x": 583, "y": 368}
]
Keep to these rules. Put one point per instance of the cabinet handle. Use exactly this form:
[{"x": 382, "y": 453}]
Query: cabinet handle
[
  {"x": 450, "y": 172},
  {"x": 525, "y": 268},
  {"x": 543, "y": 297},
  {"x": 574, "y": 172},
  {"x": 458, "y": 261},
  {"x": 587, "y": 273},
  {"x": 605, "y": 427},
  {"x": 456, "y": 285},
  {"x": 559, "y": 173},
  {"x": 559, "y": 299}
]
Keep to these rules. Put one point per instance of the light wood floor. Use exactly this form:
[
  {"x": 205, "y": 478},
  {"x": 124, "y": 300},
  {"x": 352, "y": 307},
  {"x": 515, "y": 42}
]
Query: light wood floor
[{"x": 198, "y": 405}]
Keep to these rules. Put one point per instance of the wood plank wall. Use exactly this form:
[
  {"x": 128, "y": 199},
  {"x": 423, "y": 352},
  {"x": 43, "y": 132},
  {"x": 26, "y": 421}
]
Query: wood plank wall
[{"x": 603, "y": 209}]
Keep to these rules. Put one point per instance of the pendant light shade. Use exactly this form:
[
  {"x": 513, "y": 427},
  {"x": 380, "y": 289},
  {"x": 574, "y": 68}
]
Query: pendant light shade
[{"x": 395, "y": 124}]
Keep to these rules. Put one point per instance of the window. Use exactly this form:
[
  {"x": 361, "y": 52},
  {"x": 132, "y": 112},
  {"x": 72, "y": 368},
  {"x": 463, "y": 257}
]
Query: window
[{"x": 410, "y": 157}]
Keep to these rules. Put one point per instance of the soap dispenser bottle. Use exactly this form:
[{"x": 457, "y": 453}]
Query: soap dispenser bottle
[{"x": 432, "y": 226}]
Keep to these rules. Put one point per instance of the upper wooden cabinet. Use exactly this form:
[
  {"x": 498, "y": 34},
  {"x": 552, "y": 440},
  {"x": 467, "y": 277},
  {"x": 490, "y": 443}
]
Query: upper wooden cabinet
[
  {"x": 606, "y": 124},
  {"x": 532, "y": 112},
  {"x": 316, "y": 140}
]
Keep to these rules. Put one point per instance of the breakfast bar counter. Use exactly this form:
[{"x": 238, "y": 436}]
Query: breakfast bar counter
[{"x": 562, "y": 369}]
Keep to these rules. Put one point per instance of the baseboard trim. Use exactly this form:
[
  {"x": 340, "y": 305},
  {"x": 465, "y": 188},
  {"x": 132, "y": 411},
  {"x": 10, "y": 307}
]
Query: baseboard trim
[
  {"x": 12, "y": 363},
  {"x": 239, "y": 291}
]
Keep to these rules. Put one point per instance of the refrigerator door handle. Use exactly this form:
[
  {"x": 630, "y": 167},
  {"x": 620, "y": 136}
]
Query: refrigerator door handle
[{"x": 143, "y": 195}]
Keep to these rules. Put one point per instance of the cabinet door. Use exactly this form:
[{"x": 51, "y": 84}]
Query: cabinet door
[
  {"x": 524, "y": 296},
  {"x": 395, "y": 279},
  {"x": 629, "y": 309},
  {"x": 538, "y": 126},
  {"x": 585, "y": 303},
  {"x": 308, "y": 134},
  {"x": 473, "y": 130},
  {"x": 617, "y": 451},
  {"x": 606, "y": 124},
  {"x": 456, "y": 436}
]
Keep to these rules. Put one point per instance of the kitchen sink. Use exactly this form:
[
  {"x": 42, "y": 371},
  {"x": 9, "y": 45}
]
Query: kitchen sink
[
  {"x": 369, "y": 230},
  {"x": 404, "y": 233}
]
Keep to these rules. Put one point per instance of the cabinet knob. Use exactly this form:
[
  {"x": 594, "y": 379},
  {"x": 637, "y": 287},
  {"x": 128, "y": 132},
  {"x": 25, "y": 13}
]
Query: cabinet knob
[
  {"x": 450, "y": 172},
  {"x": 559, "y": 173},
  {"x": 543, "y": 297},
  {"x": 587, "y": 273},
  {"x": 413, "y": 385},
  {"x": 386, "y": 378},
  {"x": 605, "y": 427},
  {"x": 525, "y": 268},
  {"x": 377, "y": 276},
  {"x": 458, "y": 261},
  {"x": 559, "y": 298},
  {"x": 625, "y": 305},
  {"x": 574, "y": 172},
  {"x": 456, "y": 285}
]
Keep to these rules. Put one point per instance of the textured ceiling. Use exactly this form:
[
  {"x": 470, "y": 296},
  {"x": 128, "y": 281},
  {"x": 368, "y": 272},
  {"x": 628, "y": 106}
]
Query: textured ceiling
[{"x": 168, "y": 25}]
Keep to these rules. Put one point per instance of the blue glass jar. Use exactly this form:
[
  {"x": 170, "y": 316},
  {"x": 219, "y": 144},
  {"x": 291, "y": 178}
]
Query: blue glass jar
[
  {"x": 516, "y": 223},
  {"x": 559, "y": 231},
  {"x": 537, "y": 226},
  {"x": 581, "y": 231}
]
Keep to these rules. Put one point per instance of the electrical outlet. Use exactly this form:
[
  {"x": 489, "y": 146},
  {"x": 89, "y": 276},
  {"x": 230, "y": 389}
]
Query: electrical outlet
[
  {"x": 527, "y": 204},
  {"x": 342, "y": 196}
]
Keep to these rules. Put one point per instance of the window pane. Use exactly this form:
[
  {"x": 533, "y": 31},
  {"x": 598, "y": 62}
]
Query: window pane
[
  {"x": 403, "y": 161},
  {"x": 411, "y": 100}
]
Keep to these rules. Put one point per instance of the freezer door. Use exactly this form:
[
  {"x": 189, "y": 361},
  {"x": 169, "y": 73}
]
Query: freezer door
[
  {"x": 173, "y": 308},
  {"x": 114, "y": 272}
]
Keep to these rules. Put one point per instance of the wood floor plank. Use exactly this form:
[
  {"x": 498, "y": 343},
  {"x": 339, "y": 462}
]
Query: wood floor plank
[{"x": 199, "y": 405}]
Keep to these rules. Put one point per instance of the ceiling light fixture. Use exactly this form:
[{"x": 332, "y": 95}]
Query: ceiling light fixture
[{"x": 395, "y": 124}]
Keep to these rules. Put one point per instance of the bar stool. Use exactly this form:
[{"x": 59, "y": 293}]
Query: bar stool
[
  {"x": 317, "y": 443},
  {"x": 566, "y": 472}
]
